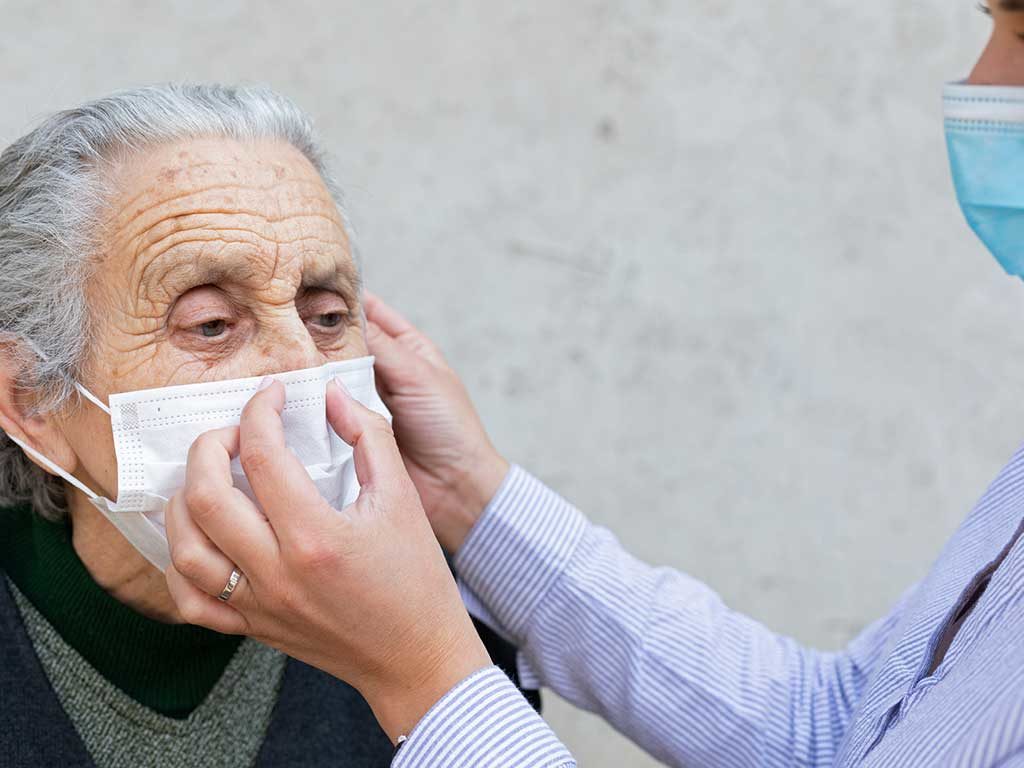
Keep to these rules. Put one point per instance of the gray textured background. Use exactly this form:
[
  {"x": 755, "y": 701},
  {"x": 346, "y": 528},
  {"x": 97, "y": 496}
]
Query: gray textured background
[{"x": 699, "y": 262}]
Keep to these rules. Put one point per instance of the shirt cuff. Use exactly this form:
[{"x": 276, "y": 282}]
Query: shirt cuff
[
  {"x": 518, "y": 548},
  {"x": 482, "y": 721},
  {"x": 529, "y": 679}
]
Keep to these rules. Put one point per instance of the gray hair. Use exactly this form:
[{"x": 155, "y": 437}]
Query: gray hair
[{"x": 53, "y": 192}]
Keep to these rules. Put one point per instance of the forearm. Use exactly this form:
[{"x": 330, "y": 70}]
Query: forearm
[{"x": 653, "y": 651}]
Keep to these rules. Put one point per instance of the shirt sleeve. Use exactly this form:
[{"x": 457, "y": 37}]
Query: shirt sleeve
[
  {"x": 1016, "y": 760},
  {"x": 483, "y": 722},
  {"x": 655, "y": 652}
]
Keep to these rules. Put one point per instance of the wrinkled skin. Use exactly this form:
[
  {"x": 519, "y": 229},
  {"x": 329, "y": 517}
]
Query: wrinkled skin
[{"x": 223, "y": 260}]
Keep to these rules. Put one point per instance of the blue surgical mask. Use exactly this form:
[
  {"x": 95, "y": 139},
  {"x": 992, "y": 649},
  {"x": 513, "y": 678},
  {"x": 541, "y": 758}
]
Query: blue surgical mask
[{"x": 985, "y": 138}]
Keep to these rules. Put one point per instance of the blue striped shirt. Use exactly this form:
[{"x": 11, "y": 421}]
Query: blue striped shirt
[{"x": 660, "y": 657}]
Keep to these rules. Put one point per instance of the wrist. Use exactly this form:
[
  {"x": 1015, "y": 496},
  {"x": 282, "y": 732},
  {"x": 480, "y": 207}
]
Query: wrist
[
  {"x": 473, "y": 491},
  {"x": 399, "y": 703}
]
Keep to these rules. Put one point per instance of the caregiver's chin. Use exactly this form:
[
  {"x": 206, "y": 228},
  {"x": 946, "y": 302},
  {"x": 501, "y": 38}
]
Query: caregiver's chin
[{"x": 219, "y": 259}]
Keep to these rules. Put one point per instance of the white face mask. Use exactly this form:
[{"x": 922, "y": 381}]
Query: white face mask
[{"x": 154, "y": 428}]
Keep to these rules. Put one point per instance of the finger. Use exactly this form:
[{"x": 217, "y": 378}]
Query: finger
[
  {"x": 222, "y": 512},
  {"x": 286, "y": 493},
  {"x": 193, "y": 555},
  {"x": 375, "y": 452},
  {"x": 197, "y": 607},
  {"x": 386, "y": 316},
  {"x": 397, "y": 366},
  {"x": 391, "y": 322}
]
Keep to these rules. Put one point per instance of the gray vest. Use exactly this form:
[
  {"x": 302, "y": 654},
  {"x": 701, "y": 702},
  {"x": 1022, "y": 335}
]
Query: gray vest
[{"x": 318, "y": 720}]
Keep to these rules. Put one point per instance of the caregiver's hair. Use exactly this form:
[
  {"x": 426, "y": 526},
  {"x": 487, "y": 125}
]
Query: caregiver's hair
[{"x": 53, "y": 194}]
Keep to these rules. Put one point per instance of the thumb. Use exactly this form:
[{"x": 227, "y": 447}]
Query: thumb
[{"x": 375, "y": 452}]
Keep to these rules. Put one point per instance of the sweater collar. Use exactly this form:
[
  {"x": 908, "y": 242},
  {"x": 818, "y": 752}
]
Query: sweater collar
[{"x": 167, "y": 667}]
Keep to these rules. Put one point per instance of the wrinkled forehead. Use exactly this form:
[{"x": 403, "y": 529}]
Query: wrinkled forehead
[{"x": 213, "y": 208}]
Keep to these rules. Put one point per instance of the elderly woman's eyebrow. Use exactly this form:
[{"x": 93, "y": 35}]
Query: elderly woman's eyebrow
[
  {"x": 178, "y": 276},
  {"x": 342, "y": 277},
  {"x": 174, "y": 275}
]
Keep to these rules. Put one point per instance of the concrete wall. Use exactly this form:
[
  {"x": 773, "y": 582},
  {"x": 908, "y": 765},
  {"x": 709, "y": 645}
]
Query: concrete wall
[{"x": 699, "y": 262}]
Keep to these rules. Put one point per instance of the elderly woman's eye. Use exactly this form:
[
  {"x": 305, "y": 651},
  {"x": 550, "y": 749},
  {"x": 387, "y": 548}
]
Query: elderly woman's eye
[
  {"x": 324, "y": 312},
  {"x": 330, "y": 319},
  {"x": 213, "y": 328}
]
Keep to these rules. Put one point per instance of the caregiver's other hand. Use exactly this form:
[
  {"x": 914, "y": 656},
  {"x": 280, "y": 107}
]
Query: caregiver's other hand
[
  {"x": 363, "y": 593},
  {"x": 446, "y": 449}
]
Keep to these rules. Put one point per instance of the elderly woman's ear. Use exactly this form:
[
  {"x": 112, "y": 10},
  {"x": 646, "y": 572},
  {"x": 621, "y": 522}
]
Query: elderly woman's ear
[{"x": 18, "y": 417}]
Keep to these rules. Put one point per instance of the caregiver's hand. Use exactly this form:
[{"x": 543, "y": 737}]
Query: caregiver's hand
[
  {"x": 446, "y": 449},
  {"x": 362, "y": 593}
]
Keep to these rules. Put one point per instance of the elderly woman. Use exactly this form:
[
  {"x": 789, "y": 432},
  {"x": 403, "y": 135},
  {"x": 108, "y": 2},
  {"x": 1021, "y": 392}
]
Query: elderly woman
[{"x": 157, "y": 237}]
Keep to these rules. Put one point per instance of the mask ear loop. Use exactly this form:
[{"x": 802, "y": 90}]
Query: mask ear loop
[
  {"x": 54, "y": 468},
  {"x": 82, "y": 390},
  {"x": 45, "y": 461},
  {"x": 92, "y": 398}
]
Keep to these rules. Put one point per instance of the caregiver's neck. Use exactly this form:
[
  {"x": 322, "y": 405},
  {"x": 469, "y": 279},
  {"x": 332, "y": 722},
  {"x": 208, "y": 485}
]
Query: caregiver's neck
[
  {"x": 1002, "y": 61},
  {"x": 116, "y": 565}
]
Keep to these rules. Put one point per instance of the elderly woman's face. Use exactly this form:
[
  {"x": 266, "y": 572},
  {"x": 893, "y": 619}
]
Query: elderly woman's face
[{"x": 223, "y": 260}]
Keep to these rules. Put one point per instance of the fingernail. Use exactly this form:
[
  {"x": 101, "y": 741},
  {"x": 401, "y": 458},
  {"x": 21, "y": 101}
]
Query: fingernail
[{"x": 266, "y": 382}]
